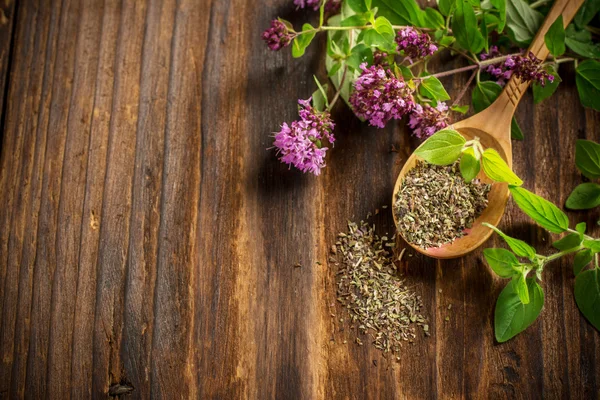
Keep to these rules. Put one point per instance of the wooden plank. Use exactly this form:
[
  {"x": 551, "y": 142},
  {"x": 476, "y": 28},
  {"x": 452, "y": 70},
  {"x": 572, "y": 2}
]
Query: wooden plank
[
  {"x": 82, "y": 365},
  {"x": 145, "y": 214},
  {"x": 117, "y": 199},
  {"x": 150, "y": 242}
]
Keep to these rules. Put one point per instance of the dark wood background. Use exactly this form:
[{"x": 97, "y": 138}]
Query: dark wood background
[{"x": 148, "y": 237}]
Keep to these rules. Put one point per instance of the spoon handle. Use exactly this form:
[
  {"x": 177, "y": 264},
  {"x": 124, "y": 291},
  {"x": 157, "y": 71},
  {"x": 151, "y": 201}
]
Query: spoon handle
[{"x": 514, "y": 89}]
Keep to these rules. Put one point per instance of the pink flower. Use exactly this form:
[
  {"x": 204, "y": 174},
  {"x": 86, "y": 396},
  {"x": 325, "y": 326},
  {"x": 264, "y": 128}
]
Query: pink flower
[
  {"x": 426, "y": 120},
  {"x": 379, "y": 96},
  {"x": 332, "y": 6},
  {"x": 527, "y": 67},
  {"x": 414, "y": 45},
  {"x": 314, "y": 4},
  {"x": 277, "y": 36},
  {"x": 300, "y": 143}
]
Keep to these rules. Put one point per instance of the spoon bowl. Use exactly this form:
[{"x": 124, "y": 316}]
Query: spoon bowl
[
  {"x": 492, "y": 126},
  {"x": 497, "y": 199}
]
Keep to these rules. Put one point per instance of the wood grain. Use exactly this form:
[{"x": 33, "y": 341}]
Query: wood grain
[{"x": 149, "y": 240}]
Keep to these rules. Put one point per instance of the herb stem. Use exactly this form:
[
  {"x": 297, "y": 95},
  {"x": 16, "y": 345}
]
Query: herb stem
[
  {"x": 538, "y": 3},
  {"x": 323, "y": 28},
  {"x": 456, "y": 71},
  {"x": 462, "y": 53},
  {"x": 356, "y": 27},
  {"x": 592, "y": 29},
  {"x": 339, "y": 91},
  {"x": 584, "y": 236},
  {"x": 464, "y": 89},
  {"x": 471, "y": 67},
  {"x": 562, "y": 253},
  {"x": 563, "y": 60}
]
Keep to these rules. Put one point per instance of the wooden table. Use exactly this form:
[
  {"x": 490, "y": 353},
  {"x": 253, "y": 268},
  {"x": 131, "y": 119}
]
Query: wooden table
[{"x": 148, "y": 238}]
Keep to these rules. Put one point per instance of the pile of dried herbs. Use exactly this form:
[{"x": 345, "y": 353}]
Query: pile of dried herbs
[
  {"x": 370, "y": 289},
  {"x": 435, "y": 205}
]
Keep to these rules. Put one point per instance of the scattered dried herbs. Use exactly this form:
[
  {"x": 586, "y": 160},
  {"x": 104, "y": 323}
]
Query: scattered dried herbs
[
  {"x": 369, "y": 287},
  {"x": 435, "y": 205}
]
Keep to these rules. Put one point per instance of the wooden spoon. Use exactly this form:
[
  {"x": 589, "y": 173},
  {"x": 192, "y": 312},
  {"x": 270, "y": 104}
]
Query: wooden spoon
[{"x": 492, "y": 127}]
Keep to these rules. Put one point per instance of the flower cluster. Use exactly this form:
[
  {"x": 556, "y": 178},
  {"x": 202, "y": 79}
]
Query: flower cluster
[
  {"x": 332, "y": 6},
  {"x": 379, "y": 96},
  {"x": 414, "y": 45},
  {"x": 499, "y": 71},
  {"x": 277, "y": 36},
  {"x": 300, "y": 143},
  {"x": 528, "y": 68},
  {"x": 426, "y": 120},
  {"x": 315, "y": 4}
]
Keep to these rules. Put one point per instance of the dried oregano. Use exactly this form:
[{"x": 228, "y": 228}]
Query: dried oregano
[
  {"x": 435, "y": 205},
  {"x": 370, "y": 288}
]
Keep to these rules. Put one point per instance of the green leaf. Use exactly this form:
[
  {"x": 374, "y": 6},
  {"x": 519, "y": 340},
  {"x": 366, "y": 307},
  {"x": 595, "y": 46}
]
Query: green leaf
[
  {"x": 442, "y": 148},
  {"x": 484, "y": 94},
  {"x": 521, "y": 288},
  {"x": 519, "y": 247},
  {"x": 405, "y": 72},
  {"x": 358, "y": 6},
  {"x": 501, "y": 261},
  {"x": 446, "y": 41},
  {"x": 433, "y": 18},
  {"x": 359, "y": 54},
  {"x": 432, "y": 88},
  {"x": 384, "y": 27},
  {"x": 583, "y": 258},
  {"x": 496, "y": 168},
  {"x": 546, "y": 214},
  {"x": 341, "y": 39},
  {"x": 319, "y": 96},
  {"x": 584, "y": 197},
  {"x": 500, "y": 5},
  {"x": 490, "y": 20},
  {"x": 568, "y": 242},
  {"x": 405, "y": 12},
  {"x": 587, "y": 295},
  {"x": 301, "y": 42},
  {"x": 515, "y": 130},
  {"x": 540, "y": 92},
  {"x": 464, "y": 27},
  {"x": 483, "y": 26},
  {"x": 588, "y": 83},
  {"x": 581, "y": 42},
  {"x": 522, "y": 21},
  {"x": 593, "y": 245},
  {"x": 334, "y": 70},
  {"x": 587, "y": 12},
  {"x": 581, "y": 227},
  {"x": 355, "y": 20},
  {"x": 512, "y": 316},
  {"x": 587, "y": 158},
  {"x": 469, "y": 165},
  {"x": 373, "y": 38},
  {"x": 445, "y": 6},
  {"x": 460, "y": 109},
  {"x": 555, "y": 37}
]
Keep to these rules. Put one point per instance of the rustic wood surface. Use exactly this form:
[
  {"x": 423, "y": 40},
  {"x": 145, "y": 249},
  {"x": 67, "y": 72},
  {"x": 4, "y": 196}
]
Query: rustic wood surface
[{"x": 149, "y": 239}]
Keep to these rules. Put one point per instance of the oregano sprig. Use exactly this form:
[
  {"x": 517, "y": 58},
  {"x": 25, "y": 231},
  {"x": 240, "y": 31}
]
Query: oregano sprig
[
  {"x": 399, "y": 38},
  {"x": 448, "y": 145},
  {"x": 522, "y": 299}
]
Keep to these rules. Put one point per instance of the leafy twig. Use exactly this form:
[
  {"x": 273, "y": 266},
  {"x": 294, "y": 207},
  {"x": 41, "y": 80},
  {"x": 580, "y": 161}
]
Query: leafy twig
[{"x": 339, "y": 91}]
